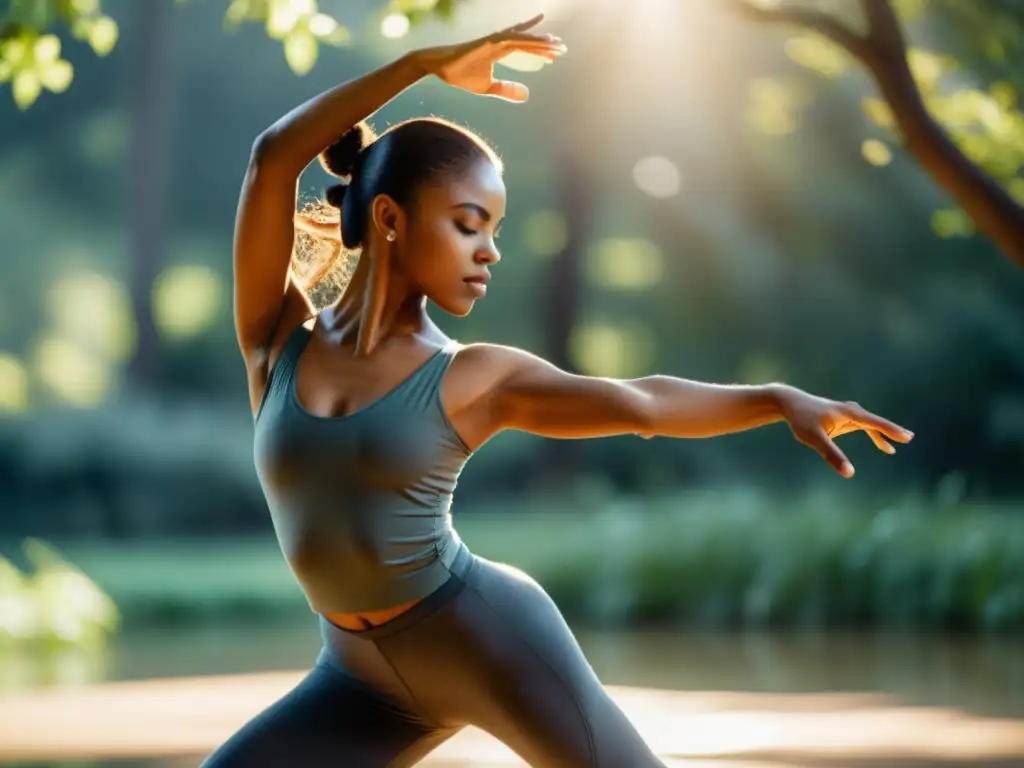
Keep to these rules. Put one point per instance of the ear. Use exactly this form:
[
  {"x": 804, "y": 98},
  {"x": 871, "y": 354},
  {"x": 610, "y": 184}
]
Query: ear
[{"x": 387, "y": 216}]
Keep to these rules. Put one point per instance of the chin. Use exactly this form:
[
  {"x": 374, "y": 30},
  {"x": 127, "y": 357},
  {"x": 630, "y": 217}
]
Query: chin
[{"x": 456, "y": 308}]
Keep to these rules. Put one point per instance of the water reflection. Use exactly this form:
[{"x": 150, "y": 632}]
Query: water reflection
[{"x": 979, "y": 675}]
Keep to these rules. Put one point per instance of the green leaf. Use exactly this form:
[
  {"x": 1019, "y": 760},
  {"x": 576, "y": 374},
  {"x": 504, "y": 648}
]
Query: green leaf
[
  {"x": 1016, "y": 188},
  {"x": 952, "y": 223},
  {"x": 85, "y": 7},
  {"x": 445, "y": 9},
  {"x": 301, "y": 51},
  {"x": 103, "y": 34},
  {"x": 26, "y": 88},
  {"x": 56, "y": 76},
  {"x": 413, "y": 6},
  {"x": 327, "y": 30},
  {"x": 46, "y": 49}
]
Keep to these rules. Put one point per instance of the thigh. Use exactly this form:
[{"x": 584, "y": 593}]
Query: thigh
[
  {"x": 512, "y": 667},
  {"x": 328, "y": 719}
]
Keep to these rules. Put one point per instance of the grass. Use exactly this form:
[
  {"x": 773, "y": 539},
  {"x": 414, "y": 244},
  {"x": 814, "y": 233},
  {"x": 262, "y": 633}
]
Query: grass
[{"x": 709, "y": 560}]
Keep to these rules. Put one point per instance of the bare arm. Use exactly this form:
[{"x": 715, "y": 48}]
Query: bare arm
[
  {"x": 264, "y": 225},
  {"x": 524, "y": 392}
]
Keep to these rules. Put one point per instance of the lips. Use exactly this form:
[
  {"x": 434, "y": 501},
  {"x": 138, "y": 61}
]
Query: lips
[{"x": 478, "y": 285}]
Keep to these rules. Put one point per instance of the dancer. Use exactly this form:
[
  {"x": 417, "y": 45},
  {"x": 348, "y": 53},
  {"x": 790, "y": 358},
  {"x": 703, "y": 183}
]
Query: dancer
[{"x": 365, "y": 420}]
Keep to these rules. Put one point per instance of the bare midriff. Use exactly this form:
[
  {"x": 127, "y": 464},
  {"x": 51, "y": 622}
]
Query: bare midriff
[{"x": 368, "y": 619}]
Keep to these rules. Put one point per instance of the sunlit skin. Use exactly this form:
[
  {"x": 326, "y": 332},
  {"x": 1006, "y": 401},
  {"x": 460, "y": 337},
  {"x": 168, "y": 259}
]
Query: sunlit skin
[{"x": 442, "y": 248}]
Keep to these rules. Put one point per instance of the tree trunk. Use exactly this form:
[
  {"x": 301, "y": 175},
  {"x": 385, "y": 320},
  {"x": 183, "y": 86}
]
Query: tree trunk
[
  {"x": 559, "y": 460},
  {"x": 152, "y": 109}
]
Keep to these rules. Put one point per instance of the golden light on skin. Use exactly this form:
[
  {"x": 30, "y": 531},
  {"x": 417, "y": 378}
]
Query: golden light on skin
[{"x": 14, "y": 387}]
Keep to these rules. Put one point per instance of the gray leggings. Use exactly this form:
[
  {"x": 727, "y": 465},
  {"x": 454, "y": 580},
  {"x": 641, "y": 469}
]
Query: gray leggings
[{"x": 488, "y": 649}]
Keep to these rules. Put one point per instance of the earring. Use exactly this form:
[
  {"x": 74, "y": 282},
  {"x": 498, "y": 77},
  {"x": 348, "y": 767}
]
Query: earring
[{"x": 391, "y": 236}]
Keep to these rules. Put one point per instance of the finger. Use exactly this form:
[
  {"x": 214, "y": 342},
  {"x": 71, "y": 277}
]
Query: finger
[
  {"x": 508, "y": 90},
  {"x": 831, "y": 453},
  {"x": 525, "y": 25},
  {"x": 870, "y": 420},
  {"x": 880, "y": 442},
  {"x": 531, "y": 37},
  {"x": 531, "y": 46},
  {"x": 546, "y": 53}
]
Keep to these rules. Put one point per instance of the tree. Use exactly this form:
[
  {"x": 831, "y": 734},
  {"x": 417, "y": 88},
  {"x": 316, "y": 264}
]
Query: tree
[
  {"x": 30, "y": 59},
  {"x": 970, "y": 142},
  {"x": 30, "y": 34}
]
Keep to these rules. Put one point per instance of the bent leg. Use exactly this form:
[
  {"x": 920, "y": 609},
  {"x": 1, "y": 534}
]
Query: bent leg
[
  {"x": 512, "y": 667},
  {"x": 329, "y": 719}
]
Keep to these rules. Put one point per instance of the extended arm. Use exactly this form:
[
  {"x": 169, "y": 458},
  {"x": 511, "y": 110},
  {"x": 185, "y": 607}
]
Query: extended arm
[{"x": 529, "y": 394}]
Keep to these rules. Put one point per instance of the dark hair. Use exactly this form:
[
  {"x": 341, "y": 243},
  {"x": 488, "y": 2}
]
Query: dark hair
[{"x": 396, "y": 163}]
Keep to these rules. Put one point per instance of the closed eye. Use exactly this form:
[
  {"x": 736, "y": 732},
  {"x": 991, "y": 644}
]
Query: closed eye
[{"x": 467, "y": 231}]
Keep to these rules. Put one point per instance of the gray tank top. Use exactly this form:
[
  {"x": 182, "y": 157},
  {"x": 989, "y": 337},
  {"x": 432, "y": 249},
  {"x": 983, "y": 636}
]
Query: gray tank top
[{"x": 360, "y": 503}]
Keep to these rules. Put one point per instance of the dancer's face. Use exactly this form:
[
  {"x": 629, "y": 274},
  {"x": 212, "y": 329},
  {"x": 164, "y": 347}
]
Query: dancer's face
[{"x": 448, "y": 243}]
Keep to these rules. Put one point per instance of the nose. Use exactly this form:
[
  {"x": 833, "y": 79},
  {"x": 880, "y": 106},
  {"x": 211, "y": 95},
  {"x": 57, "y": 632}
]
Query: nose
[{"x": 489, "y": 255}]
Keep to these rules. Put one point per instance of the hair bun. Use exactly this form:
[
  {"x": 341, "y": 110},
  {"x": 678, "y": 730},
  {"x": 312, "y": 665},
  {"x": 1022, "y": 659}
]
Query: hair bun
[
  {"x": 341, "y": 157},
  {"x": 335, "y": 195}
]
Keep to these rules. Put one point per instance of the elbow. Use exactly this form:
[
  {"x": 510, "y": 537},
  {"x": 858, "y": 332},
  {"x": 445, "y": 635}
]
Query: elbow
[
  {"x": 644, "y": 417},
  {"x": 266, "y": 149}
]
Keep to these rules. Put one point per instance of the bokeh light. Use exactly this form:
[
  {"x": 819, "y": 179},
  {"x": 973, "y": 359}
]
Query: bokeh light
[
  {"x": 612, "y": 350},
  {"x": 94, "y": 311},
  {"x": 657, "y": 176},
  {"x": 13, "y": 384},
  {"x": 545, "y": 232},
  {"x": 625, "y": 263},
  {"x": 394, "y": 26},
  {"x": 876, "y": 152},
  {"x": 187, "y": 300},
  {"x": 72, "y": 373}
]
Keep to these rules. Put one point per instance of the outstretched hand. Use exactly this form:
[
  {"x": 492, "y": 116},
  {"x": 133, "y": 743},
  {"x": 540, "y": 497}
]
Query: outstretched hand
[
  {"x": 816, "y": 422},
  {"x": 470, "y": 66}
]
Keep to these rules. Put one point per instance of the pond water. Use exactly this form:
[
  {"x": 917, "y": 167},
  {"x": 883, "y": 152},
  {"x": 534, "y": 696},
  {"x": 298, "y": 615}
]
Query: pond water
[{"x": 980, "y": 676}]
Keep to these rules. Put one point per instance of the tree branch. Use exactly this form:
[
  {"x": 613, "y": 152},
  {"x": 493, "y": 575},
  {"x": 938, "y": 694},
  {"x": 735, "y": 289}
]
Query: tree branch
[
  {"x": 884, "y": 53},
  {"x": 884, "y": 31},
  {"x": 819, "y": 22}
]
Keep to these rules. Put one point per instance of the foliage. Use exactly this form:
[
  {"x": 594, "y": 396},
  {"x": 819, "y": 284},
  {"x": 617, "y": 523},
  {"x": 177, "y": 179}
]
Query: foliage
[
  {"x": 710, "y": 560},
  {"x": 54, "y": 604},
  {"x": 968, "y": 42},
  {"x": 30, "y": 35}
]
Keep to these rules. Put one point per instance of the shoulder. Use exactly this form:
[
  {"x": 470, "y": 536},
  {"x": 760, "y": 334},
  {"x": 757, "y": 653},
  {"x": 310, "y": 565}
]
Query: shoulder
[{"x": 495, "y": 363}]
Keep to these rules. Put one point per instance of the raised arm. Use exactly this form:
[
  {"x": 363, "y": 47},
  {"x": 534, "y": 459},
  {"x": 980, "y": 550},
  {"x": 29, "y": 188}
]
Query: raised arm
[
  {"x": 523, "y": 392},
  {"x": 265, "y": 222},
  {"x": 264, "y": 225}
]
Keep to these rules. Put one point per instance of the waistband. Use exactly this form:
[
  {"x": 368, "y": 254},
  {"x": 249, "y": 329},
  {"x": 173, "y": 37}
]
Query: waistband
[{"x": 460, "y": 567}]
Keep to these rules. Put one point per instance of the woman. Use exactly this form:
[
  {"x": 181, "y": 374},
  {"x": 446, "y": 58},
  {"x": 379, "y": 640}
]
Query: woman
[{"x": 364, "y": 422}]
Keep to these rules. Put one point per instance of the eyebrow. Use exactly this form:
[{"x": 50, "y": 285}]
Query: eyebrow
[{"x": 483, "y": 212}]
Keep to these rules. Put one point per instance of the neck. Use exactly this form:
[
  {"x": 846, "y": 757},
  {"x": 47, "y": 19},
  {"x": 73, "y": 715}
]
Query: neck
[{"x": 377, "y": 304}]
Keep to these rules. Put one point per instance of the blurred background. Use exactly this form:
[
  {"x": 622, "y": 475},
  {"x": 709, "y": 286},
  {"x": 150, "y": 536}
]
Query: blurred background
[{"x": 693, "y": 190}]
